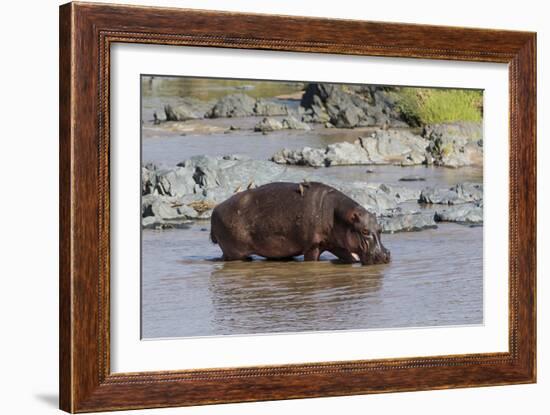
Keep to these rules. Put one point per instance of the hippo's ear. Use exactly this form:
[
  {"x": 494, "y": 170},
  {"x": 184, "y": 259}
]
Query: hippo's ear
[{"x": 353, "y": 216}]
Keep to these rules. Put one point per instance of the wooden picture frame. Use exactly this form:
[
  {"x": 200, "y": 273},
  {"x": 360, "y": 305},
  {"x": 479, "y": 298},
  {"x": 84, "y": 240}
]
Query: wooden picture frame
[{"x": 86, "y": 33}]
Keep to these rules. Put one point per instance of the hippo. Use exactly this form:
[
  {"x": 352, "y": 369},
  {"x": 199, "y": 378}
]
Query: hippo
[{"x": 283, "y": 220}]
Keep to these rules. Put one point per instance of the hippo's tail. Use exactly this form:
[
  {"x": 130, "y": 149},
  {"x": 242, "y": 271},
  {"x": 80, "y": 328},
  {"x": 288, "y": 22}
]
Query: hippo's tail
[{"x": 213, "y": 237}]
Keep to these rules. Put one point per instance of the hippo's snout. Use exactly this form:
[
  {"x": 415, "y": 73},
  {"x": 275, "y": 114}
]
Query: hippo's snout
[
  {"x": 380, "y": 256},
  {"x": 385, "y": 256}
]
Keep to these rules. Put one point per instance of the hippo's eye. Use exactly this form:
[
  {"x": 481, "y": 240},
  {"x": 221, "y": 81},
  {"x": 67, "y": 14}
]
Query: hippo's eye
[{"x": 365, "y": 232}]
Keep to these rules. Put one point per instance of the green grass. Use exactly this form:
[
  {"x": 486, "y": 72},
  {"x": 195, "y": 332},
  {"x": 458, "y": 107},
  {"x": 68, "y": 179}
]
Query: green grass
[{"x": 431, "y": 105}]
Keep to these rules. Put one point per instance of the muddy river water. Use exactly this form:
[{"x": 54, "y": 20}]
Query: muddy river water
[{"x": 435, "y": 277}]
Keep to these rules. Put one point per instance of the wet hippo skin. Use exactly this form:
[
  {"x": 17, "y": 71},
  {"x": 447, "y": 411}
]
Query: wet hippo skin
[{"x": 283, "y": 220}]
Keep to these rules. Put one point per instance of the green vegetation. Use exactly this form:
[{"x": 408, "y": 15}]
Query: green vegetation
[{"x": 422, "y": 106}]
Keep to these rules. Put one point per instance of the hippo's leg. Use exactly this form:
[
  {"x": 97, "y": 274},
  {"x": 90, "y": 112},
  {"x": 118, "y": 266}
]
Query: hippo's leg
[
  {"x": 236, "y": 257},
  {"x": 233, "y": 253},
  {"x": 312, "y": 254},
  {"x": 342, "y": 254}
]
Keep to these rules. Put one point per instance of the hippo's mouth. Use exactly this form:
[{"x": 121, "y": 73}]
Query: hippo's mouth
[{"x": 355, "y": 257}]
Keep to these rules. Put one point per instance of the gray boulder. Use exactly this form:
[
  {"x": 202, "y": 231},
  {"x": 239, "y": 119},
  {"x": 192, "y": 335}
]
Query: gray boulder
[
  {"x": 269, "y": 108},
  {"x": 469, "y": 192},
  {"x": 288, "y": 123},
  {"x": 187, "y": 109},
  {"x": 401, "y": 193},
  {"x": 458, "y": 194},
  {"x": 373, "y": 199},
  {"x": 412, "y": 179},
  {"x": 151, "y": 222},
  {"x": 236, "y": 105},
  {"x": 344, "y": 153},
  {"x": 166, "y": 208},
  {"x": 431, "y": 195},
  {"x": 175, "y": 182},
  {"x": 268, "y": 125},
  {"x": 251, "y": 173},
  {"x": 467, "y": 214},
  {"x": 313, "y": 157},
  {"x": 349, "y": 106},
  {"x": 205, "y": 170},
  {"x": 455, "y": 144},
  {"x": 148, "y": 179},
  {"x": 394, "y": 147},
  {"x": 381, "y": 147},
  {"x": 292, "y": 123},
  {"x": 407, "y": 222},
  {"x": 181, "y": 113}
]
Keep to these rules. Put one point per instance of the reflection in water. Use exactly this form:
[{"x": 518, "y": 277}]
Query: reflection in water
[
  {"x": 262, "y": 296},
  {"x": 435, "y": 278}
]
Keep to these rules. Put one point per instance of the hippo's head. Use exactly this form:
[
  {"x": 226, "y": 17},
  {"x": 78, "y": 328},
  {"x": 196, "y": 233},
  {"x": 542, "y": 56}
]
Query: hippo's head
[{"x": 362, "y": 238}]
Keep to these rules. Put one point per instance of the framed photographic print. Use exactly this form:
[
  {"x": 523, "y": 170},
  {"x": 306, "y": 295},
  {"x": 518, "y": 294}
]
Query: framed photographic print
[{"x": 260, "y": 207}]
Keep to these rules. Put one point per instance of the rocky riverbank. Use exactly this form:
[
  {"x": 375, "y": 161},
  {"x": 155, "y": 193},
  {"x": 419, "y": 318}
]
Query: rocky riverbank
[
  {"x": 328, "y": 105},
  {"x": 447, "y": 145},
  {"x": 371, "y": 131},
  {"x": 172, "y": 197}
]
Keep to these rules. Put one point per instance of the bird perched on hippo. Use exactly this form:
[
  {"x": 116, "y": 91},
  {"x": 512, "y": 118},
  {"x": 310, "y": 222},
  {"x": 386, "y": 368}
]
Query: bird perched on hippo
[{"x": 283, "y": 220}]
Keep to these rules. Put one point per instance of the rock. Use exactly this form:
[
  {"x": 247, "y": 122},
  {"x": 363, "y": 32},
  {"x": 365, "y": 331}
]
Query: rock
[
  {"x": 148, "y": 180},
  {"x": 431, "y": 195},
  {"x": 269, "y": 108},
  {"x": 187, "y": 109},
  {"x": 341, "y": 154},
  {"x": 175, "y": 182},
  {"x": 205, "y": 170},
  {"x": 412, "y": 179},
  {"x": 313, "y": 157},
  {"x": 181, "y": 113},
  {"x": 455, "y": 144},
  {"x": 251, "y": 173},
  {"x": 466, "y": 214},
  {"x": 469, "y": 192},
  {"x": 407, "y": 222},
  {"x": 242, "y": 105},
  {"x": 349, "y": 106},
  {"x": 382, "y": 147},
  {"x": 192, "y": 189},
  {"x": 268, "y": 125},
  {"x": 292, "y": 123},
  {"x": 165, "y": 208},
  {"x": 287, "y": 156},
  {"x": 151, "y": 222},
  {"x": 401, "y": 193},
  {"x": 236, "y": 157},
  {"x": 148, "y": 221},
  {"x": 288, "y": 123},
  {"x": 218, "y": 194},
  {"x": 206, "y": 214},
  {"x": 347, "y": 117},
  {"x": 461, "y": 131},
  {"x": 458, "y": 194},
  {"x": 394, "y": 147},
  {"x": 236, "y": 105},
  {"x": 371, "y": 198}
]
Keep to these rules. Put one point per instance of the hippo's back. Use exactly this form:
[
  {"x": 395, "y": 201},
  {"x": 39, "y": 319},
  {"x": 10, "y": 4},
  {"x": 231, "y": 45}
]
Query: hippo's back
[{"x": 278, "y": 212}]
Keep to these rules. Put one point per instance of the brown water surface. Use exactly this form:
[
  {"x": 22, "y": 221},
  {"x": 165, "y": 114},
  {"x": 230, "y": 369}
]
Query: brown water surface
[{"x": 434, "y": 279}]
